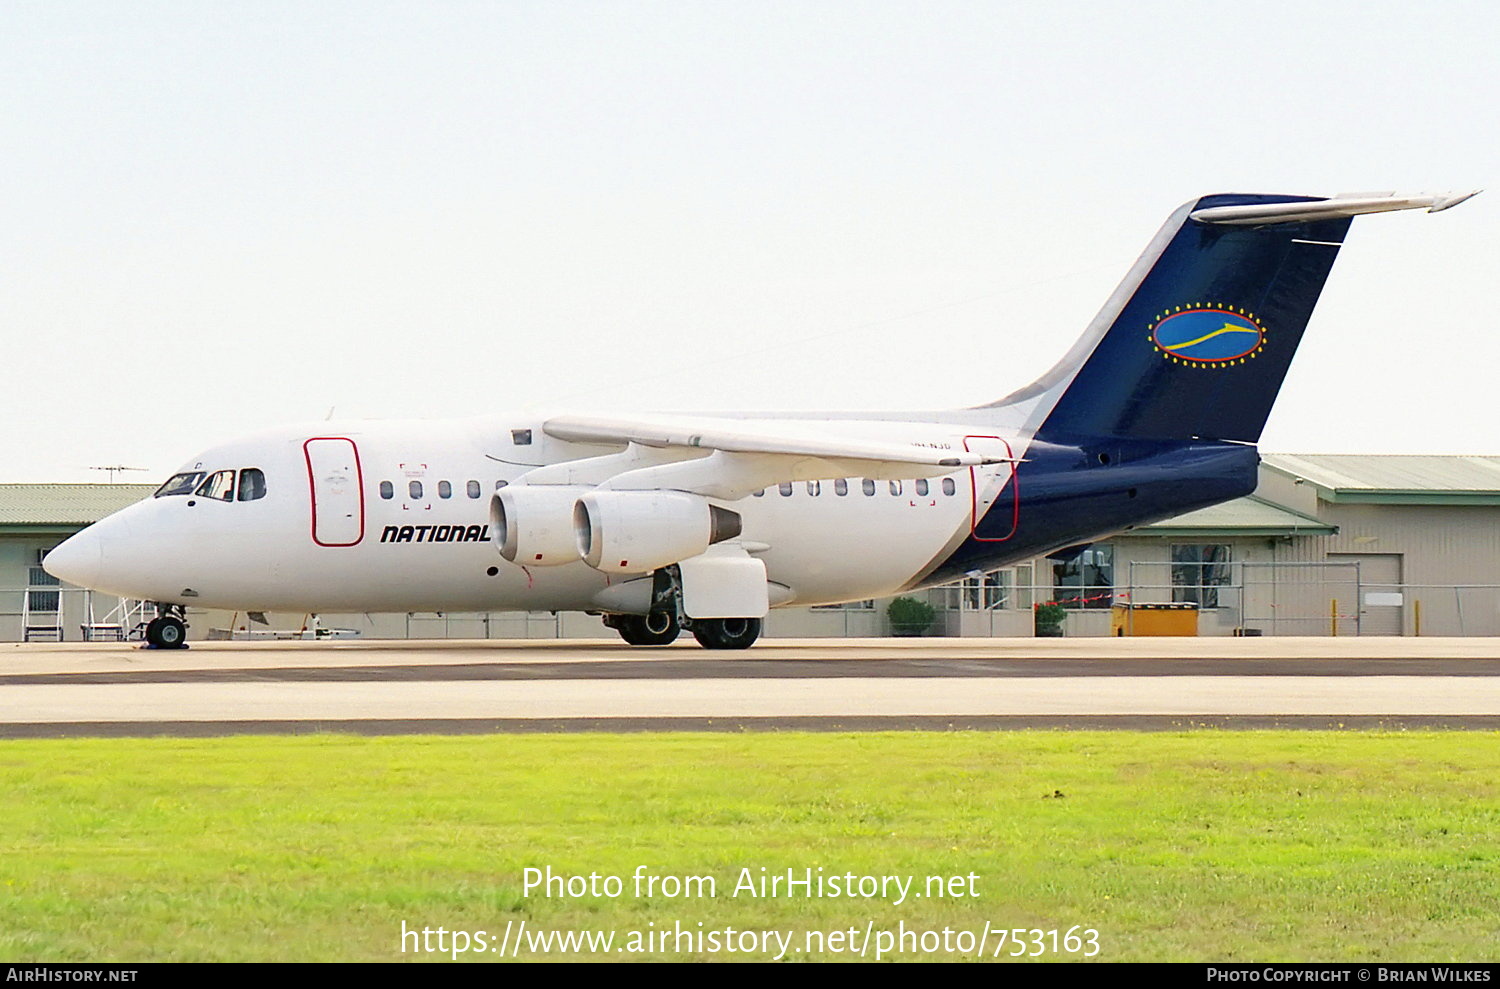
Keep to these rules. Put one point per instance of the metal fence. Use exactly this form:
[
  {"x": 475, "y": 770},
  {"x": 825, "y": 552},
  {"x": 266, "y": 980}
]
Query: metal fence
[
  {"x": 1253, "y": 598},
  {"x": 1318, "y": 599}
]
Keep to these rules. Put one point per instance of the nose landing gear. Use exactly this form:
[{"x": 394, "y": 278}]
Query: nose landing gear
[{"x": 167, "y": 630}]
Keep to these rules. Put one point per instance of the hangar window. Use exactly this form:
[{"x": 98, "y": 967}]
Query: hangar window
[
  {"x": 868, "y": 486},
  {"x": 1087, "y": 580},
  {"x": 219, "y": 486},
  {"x": 445, "y": 490},
  {"x": 948, "y": 486},
  {"x": 387, "y": 490},
  {"x": 252, "y": 484},
  {"x": 1198, "y": 571},
  {"x": 414, "y": 489},
  {"x": 987, "y": 592},
  {"x": 895, "y": 487},
  {"x": 785, "y": 488},
  {"x": 473, "y": 489},
  {"x": 841, "y": 487},
  {"x": 180, "y": 484},
  {"x": 922, "y": 486}
]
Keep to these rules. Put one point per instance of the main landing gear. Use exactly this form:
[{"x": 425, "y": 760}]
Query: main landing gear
[
  {"x": 665, "y": 621},
  {"x": 659, "y": 628},
  {"x": 726, "y": 633},
  {"x": 167, "y": 630}
]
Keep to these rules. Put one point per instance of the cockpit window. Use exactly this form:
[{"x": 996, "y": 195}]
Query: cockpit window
[
  {"x": 219, "y": 486},
  {"x": 252, "y": 484},
  {"x": 180, "y": 484}
]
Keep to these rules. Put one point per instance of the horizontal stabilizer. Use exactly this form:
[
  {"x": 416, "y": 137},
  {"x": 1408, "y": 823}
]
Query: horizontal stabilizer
[{"x": 1255, "y": 214}]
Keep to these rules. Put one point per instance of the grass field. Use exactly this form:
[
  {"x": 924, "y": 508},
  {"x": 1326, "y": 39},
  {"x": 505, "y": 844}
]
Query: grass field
[{"x": 1208, "y": 845}]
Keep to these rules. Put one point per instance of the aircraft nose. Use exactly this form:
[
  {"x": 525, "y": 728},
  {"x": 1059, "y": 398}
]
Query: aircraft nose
[{"x": 78, "y": 559}]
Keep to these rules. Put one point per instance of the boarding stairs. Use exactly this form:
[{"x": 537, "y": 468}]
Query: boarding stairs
[{"x": 41, "y": 606}]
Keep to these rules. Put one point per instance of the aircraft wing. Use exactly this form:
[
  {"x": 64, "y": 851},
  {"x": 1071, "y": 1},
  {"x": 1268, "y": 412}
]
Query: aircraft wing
[
  {"x": 753, "y": 436},
  {"x": 742, "y": 455}
]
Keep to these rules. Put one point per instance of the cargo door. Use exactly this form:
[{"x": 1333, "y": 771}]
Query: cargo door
[{"x": 337, "y": 485}]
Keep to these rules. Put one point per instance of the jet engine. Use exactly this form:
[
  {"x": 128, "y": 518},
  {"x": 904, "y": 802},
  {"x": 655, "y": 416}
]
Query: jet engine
[
  {"x": 532, "y": 525},
  {"x": 639, "y": 531}
]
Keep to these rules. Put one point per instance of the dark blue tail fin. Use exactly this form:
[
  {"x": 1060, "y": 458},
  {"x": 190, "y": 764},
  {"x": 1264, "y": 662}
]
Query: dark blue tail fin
[{"x": 1197, "y": 340}]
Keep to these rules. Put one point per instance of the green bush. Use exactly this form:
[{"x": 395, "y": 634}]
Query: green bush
[
  {"x": 908, "y": 616},
  {"x": 1048, "y": 618}
]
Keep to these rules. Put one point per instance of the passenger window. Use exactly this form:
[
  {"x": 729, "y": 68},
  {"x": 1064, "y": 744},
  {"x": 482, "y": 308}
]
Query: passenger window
[
  {"x": 895, "y": 487},
  {"x": 387, "y": 490},
  {"x": 473, "y": 489},
  {"x": 219, "y": 486},
  {"x": 252, "y": 484},
  {"x": 922, "y": 486},
  {"x": 520, "y": 437},
  {"x": 841, "y": 487},
  {"x": 785, "y": 488},
  {"x": 179, "y": 484},
  {"x": 415, "y": 490},
  {"x": 761, "y": 493},
  {"x": 948, "y": 486},
  {"x": 445, "y": 490},
  {"x": 814, "y": 487},
  {"x": 500, "y": 484},
  {"x": 868, "y": 486}
]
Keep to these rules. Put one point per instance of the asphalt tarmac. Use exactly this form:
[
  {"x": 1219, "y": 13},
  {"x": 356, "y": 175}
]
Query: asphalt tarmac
[{"x": 464, "y": 686}]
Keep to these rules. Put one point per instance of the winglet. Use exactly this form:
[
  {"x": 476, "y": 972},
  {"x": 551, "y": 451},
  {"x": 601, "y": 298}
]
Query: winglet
[{"x": 1327, "y": 209}]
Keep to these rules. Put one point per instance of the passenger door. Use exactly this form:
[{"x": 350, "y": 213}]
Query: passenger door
[{"x": 337, "y": 486}]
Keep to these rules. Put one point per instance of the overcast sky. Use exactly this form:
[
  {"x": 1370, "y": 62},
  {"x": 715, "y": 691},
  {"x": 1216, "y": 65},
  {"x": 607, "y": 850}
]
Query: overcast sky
[{"x": 220, "y": 216}]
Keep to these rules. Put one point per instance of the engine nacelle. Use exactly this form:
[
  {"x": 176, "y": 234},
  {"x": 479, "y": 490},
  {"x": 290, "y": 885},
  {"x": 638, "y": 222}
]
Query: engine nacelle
[
  {"x": 532, "y": 525},
  {"x": 639, "y": 531}
]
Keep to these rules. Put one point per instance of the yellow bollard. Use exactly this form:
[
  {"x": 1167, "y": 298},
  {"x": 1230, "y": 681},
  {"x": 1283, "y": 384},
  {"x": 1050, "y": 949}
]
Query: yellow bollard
[
  {"x": 1333, "y": 617},
  {"x": 1417, "y": 616}
]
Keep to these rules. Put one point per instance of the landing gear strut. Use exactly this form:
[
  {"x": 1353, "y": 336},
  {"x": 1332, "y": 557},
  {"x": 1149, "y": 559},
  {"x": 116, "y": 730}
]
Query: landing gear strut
[{"x": 167, "y": 630}]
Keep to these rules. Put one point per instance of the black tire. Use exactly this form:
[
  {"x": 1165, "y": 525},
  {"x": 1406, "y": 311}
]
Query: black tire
[
  {"x": 166, "y": 633},
  {"x": 659, "y": 628},
  {"x": 726, "y": 633}
]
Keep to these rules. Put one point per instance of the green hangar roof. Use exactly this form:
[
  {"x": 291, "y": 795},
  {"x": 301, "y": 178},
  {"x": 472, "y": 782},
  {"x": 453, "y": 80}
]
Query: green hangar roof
[
  {"x": 1394, "y": 479},
  {"x": 1249, "y": 516},
  {"x": 63, "y": 507}
]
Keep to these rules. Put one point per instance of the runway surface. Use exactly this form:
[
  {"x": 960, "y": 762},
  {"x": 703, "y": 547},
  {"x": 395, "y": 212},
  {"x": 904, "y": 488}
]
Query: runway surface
[{"x": 216, "y": 688}]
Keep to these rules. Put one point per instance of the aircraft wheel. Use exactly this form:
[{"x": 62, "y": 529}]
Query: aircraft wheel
[
  {"x": 726, "y": 633},
  {"x": 166, "y": 632},
  {"x": 659, "y": 628}
]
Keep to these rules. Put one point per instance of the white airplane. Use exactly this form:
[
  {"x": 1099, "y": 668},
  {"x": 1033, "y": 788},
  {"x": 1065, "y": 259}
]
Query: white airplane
[{"x": 668, "y": 522}]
